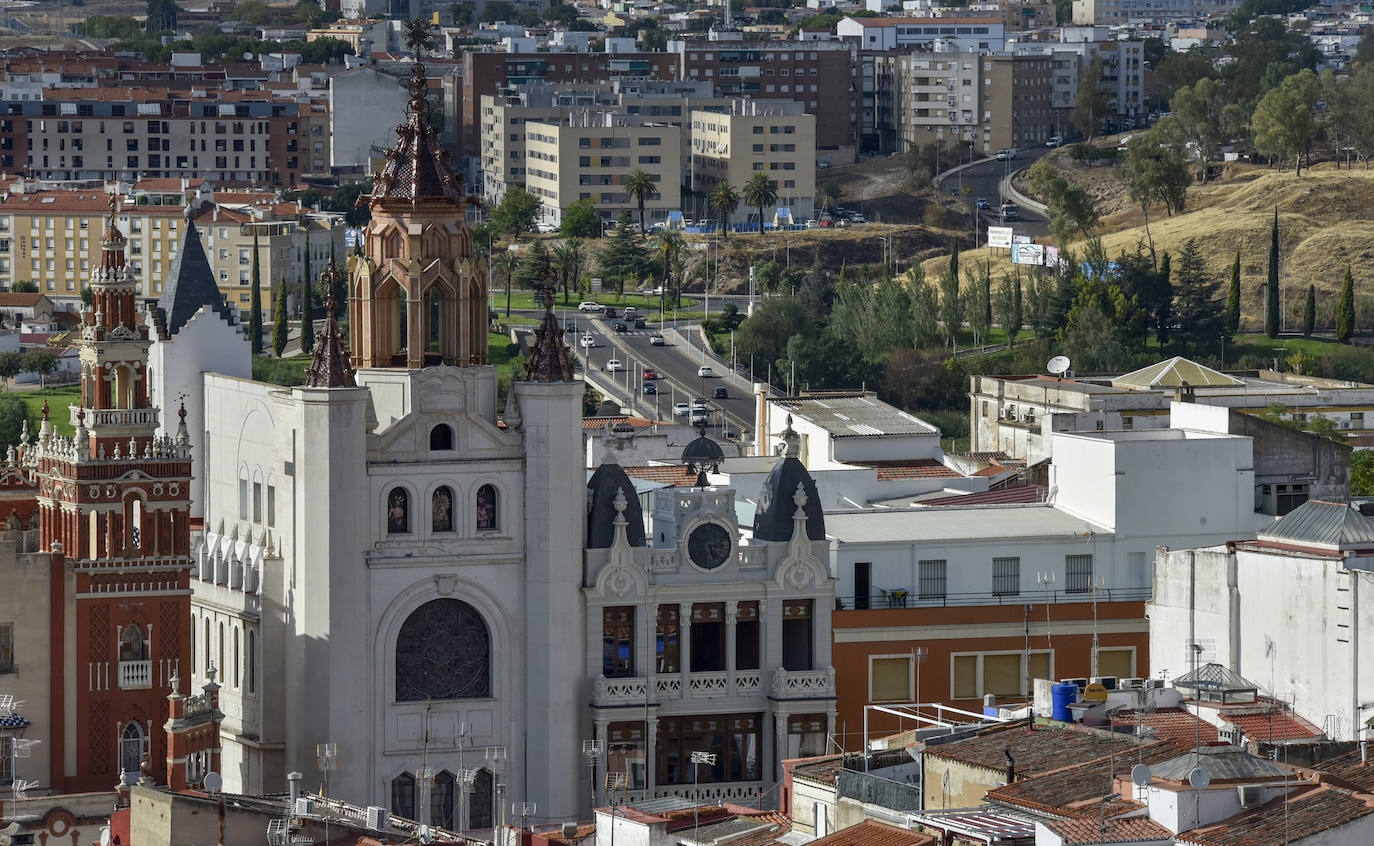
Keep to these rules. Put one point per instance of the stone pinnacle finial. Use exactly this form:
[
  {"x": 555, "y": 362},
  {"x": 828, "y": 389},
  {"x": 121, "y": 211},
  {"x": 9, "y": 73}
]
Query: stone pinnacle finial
[{"x": 45, "y": 411}]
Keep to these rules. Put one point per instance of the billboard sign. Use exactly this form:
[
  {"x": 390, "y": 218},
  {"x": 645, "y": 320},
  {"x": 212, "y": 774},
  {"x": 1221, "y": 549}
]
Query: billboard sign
[
  {"x": 1028, "y": 254},
  {"x": 999, "y": 236}
]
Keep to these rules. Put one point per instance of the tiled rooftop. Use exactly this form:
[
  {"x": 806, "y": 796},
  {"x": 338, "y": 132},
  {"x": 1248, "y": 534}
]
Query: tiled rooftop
[
  {"x": 1172, "y": 724},
  {"x": 1316, "y": 811},
  {"x": 1002, "y": 496},
  {"x": 1034, "y": 752},
  {"x": 1350, "y": 768},
  {"x": 1094, "y": 831},
  {"x": 1077, "y": 790},
  {"x": 668, "y": 474},
  {"x": 924, "y": 468},
  {"x": 1275, "y": 725},
  {"x": 872, "y": 833}
]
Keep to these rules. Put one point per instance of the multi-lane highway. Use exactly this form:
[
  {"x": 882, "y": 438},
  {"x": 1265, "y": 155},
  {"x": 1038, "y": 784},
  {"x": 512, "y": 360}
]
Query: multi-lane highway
[
  {"x": 984, "y": 179},
  {"x": 676, "y": 364}
]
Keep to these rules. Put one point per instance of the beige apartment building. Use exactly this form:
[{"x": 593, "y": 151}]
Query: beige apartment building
[
  {"x": 757, "y": 136},
  {"x": 989, "y": 102},
  {"x": 50, "y": 238},
  {"x": 589, "y": 155}
]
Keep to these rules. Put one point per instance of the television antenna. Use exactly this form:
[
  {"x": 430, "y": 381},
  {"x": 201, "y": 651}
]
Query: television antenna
[
  {"x": 592, "y": 750},
  {"x": 327, "y": 760},
  {"x": 466, "y": 778},
  {"x": 523, "y": 810},
  {"x": 918, "y": 657},
  {"x": 424, "y": 778},
  {"x": 698, "y": 758},
  {"x": 1058, "y": 366}
]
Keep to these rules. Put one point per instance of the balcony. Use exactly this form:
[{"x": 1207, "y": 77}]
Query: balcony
[
  {"x": 899, "y": 598},
  {"x": 738, "y": 792},
  {"x": 117, "y": 417},
  {"x": 803, "y": 684},
  {"x": 135, "y": 675},
  {"x": 611, "y": 692}
]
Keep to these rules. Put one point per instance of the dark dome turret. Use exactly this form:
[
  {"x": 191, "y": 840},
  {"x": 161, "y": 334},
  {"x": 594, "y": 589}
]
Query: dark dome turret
[{"x": 702, "y": 456}]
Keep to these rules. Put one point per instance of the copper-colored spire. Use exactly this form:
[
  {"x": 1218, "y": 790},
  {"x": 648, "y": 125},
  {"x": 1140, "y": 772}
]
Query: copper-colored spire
[
  {"x": 550, "y": 359},
  {"x": 329, "y": 367},
  {"x": 112, "y": 242},
  {"x": 416, "y": 167}
]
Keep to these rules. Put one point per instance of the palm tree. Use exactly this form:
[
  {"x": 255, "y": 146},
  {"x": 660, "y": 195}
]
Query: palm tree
[
  {"x": 669, "y": 247},
  {"x": 758, "y": 192},
  {"x": 641, "y": 186},
  {"x": 567, "y": 258},
  {"x": 507, "y": 263},
  {"x": 724, "y": 200}
]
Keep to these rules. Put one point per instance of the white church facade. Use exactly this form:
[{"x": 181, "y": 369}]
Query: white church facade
[{"x": 410, "y": 593}]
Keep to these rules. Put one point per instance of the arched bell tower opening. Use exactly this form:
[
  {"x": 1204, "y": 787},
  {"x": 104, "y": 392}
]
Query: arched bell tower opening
[{"x": 418, "y": 295}]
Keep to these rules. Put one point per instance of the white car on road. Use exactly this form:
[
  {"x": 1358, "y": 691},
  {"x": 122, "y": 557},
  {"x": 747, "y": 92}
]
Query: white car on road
[
  {"x": 588, "y": 341},
  {"x": 681, "y": 409},
  {"x": 705, "y": 372},
  {"x": 590, "y": 306},
  {"x": 614, "y": 366},
  {"x": 657, "y": 341}
]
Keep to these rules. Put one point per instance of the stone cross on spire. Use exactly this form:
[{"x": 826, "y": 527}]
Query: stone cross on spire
[{"x": 550, "y": 359}]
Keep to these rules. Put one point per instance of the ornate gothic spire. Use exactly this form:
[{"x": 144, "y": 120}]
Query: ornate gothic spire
[
  {"x": 416, "y": 168},
  {"x": 550, "y": 360},
  {"x": 329, "y": 367},
  {"x": 113, "y": 241}
]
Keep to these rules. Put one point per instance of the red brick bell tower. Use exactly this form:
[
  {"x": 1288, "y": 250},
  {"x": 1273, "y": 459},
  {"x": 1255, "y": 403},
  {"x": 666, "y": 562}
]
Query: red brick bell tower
[{"x": 114, "y": 508}]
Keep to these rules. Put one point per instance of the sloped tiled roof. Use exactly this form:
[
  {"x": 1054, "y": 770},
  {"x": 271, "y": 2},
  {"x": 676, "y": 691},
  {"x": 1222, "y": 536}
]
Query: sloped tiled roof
[
  {"x": 1033, "y": 752},
  {"x": 1085, "y": 832},
  {"x": 1078, "y": 790},
  {"x": 1319, "y": 523},
  {"x": 1319, "y": 810},
  {"x": 1172, "y": 724},
  {"x": 1351, "y": 768},
  {"x": 1275, "y": 725},
  {"x": 873, "y": 833},
  {"x": 1001, "y": 496},
  {"x": 921, "y": 468},
  {"x": 1173, "y": 373},
  {"x": 670, "y": 474}
]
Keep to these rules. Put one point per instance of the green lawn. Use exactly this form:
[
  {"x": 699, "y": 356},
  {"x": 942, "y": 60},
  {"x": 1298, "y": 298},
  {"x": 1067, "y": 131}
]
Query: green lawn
[
  {"x": 1261, "y": 345},
  {"x": 500, "y": 349},
  {"x": 58, "y": 399}
]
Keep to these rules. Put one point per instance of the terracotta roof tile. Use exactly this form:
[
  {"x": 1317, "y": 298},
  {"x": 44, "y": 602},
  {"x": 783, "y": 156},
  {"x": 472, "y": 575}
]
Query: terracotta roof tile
[
  {"x": 1274, "y": 822},
  {"x": 1084, "y": 832},
  {"x": 873, "y": 833},
  {"x": 1263, "y": 728},
  {"x": 9, "y": 299},
  {"x": 1172, "y": 724},
  {"x": 669, "y": 474},
  {"x": 923, "y": 468},
  {"x": 1034, "y": 752},
  {"x": 1078, "y": 790},
  {"x": 1351, "y": 769}
]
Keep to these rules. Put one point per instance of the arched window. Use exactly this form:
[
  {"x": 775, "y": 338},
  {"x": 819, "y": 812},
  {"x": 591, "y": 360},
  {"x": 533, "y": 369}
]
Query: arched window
[
  {"x": 486, "y": 509},
  {"x": 443, "y": 652},
  {"x": 481, "y": 800},
  {"x": 441, "y": 437},
  {"x": 252, "y": 662},
  {"x": 236, "y": 657},
  {"x": 131, "y": 748},
  {"x": 441, "y": 801},
  {"x": 402, "y": 321},
  {"x": 124, "y": 386},
  {"x": 132, "y": 646},
  {"x": 435, "y": 312},
  {"x": 403, "y": 796},
  {"x": 443, "y": 510},
  {"x": 398, "y": 512}
]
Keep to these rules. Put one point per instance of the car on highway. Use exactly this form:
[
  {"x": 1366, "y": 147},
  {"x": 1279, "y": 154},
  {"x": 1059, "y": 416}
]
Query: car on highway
[
  {"x": 621, "y": 327},
  {"x": 1008, "y": 153},
  {"x": 657, "y": 341},
  {"x": 609, "y": 311},
  {"x": 650, "y": 389},
  {"x": 982, "y": 203},
  {"x": 698, "y": 404},
  {"x": 705, "y": 372},
  {"x": 827, "y": 223},
  {"x": 639, "y": 323},
  {"x": 1009, "y": 211},
  {"x": 681, "y": 409},
  {"x": 614, "y": 365},
  {"x": 588, "y": 340},
  {"x": 1055, "y": 141},
  {"x": 650, "y": 374},
  {"x": 720, "y": 393},
  {"x": 590, "y": 306},
  {"x": 630, "y": 311}
]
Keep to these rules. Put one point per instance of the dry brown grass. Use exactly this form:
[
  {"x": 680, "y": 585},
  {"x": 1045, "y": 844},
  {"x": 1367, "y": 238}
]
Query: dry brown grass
[{"x": 1326, "y": 224}]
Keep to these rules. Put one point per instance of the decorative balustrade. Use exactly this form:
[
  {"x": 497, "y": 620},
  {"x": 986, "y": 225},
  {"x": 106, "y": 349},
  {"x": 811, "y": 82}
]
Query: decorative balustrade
[
  {"x": 748, "y": 681},
  {"x": 619, "y": 691},
  {"x": 135, "y": 675},
  {"x": 753, "y": 557},
  {"x": 98, "y": 417},
  {"x": 802, "y": 684},
  {"x": 660, "y": 562},
  {"x": 196, "y": 705},
  {"x": 738, "y": 792},
  {"x": 668, "y": 687},
  {"x": 708, "y": 684}
]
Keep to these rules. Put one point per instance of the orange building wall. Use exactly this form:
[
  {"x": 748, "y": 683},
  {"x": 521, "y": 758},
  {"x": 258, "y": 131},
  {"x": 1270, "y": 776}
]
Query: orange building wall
[{"x": 986, "y": 628}]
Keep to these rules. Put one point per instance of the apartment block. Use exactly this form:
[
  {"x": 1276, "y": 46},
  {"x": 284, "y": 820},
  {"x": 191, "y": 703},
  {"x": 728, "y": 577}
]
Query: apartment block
[
  {"x": 1111, "y": 12},
  {"x": 230, "y": 137},
  {"x": 775, "y": 138},
  {"x": 589, "y": 155},
  {"x": 962, "y": 33},
  {"x": 1123, "y": 62},
  {"x": 282, "y": 231}
]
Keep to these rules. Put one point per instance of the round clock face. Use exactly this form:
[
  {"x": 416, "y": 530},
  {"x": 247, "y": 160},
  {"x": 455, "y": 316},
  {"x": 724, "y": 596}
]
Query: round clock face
[{"x": 709, "y": 545}]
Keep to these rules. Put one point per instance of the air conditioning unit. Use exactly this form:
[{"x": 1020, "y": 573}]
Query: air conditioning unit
[
  {"x": 1082, "y": 683},
  {"x": 305, "y": 806},
  {"x": 1108, "y": 682},
  {"x": 1250, "y": 795},
  {"x": 569, "y": 830},
  {"x": 1131, "y": 684},
  {"x": 376, "y": 818},
  {"x": 1154, "y": 684}
]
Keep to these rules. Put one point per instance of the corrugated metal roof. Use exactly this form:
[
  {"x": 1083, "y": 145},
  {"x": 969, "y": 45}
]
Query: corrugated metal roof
[
  {"x": 1330, "y": 524},
  {"x": 1173, "y": 373},
  {"x": 856, "y": 415},
  {"x": 1220, "y": 762}
]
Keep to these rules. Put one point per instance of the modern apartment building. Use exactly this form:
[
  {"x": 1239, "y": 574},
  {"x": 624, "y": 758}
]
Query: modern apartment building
[
  {"x": 775, "y": 138},
  {"x": 588, "y": 156},
  {"x": 230, "y": 137},
  {"x": 1111, "y": 12},
  {"x": 963, "y": 33}
]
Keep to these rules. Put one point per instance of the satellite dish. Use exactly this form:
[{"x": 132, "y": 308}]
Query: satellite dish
[
  {"x": 1058, "y": 365},
  {"x": 1140, "y": 775},
  {"x": 1199, "y": 778},
  {"x": 105, "y": 836},
  {"x": 248, "y": 55},
  {"x": 213, "y": 782}
]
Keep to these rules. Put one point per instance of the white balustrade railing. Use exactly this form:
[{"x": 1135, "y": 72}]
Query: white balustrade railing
[
  {"x": 748, "y": 681},
  {"x": 803, "y": 683},
  {"x": 708, "y": 684},
  {"x": 135, "y": 675}
]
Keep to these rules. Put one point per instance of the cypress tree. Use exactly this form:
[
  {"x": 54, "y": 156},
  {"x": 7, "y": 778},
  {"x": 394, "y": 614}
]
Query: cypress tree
[
  {"x": 1345, "y": 309},
  {"x": 340, "y": 291},
  {"x": 954, "y": 261},
  {"x": 1018, "y": 313},
  {"x": 1309, "y": 313},
  {"x": 1233, "y": 299},
  {"x": 255, "y": 303},
  {"x": 279, "y": 319},
  {"x": 307, "y": 301},
  {"x": 1271, "y": 289},
  {"x": 1164, "y": 307}
]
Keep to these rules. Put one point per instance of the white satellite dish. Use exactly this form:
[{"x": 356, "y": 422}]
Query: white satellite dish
[
  {"x": 214, "y": 782},
  {"x": 1140, "y": 775},
  {"x": 1199, "y": 778},
  {"x": 105, "y": 836},
  {"x": 1058, "y": 365}
]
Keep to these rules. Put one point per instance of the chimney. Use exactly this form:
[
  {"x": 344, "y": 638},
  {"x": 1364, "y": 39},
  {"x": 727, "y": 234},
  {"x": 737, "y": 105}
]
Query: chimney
[
  {"x": 1011, "y": 765},
  {"x": 761, "y": 419}
]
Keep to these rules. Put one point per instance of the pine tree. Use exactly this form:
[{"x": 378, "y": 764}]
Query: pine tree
[
  {"x": 255, "y": 303},
  {"x": 1200, "y": 314},
  {"x": 1345, "y": 309},
  {"x": 1233, "y": 299},
  {"x": 1164, "y": 299},
  {"x": 279, "y": 319},
  {"x": 307, "y": 302},
  {"x": 1271, "y": 289},
  {"x": 1309, "y": 314}
]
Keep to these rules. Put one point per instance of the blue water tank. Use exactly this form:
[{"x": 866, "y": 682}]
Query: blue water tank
[{"x": 1062, "y": 695}]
